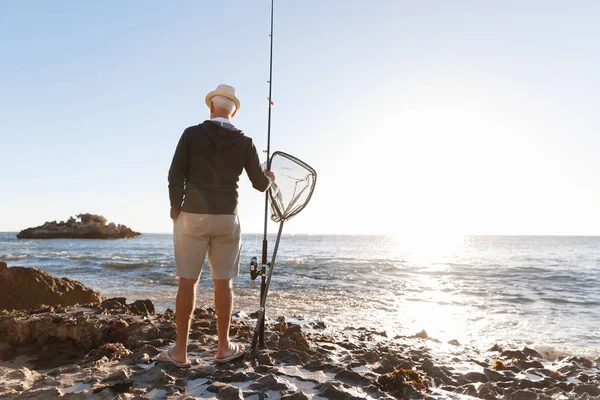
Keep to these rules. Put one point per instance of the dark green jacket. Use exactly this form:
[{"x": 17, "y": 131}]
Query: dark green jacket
[{"x": 208, "y": 161}]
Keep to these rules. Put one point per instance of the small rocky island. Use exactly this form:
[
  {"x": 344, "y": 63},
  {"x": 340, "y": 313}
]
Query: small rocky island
[{"x": 89, "y": 226}]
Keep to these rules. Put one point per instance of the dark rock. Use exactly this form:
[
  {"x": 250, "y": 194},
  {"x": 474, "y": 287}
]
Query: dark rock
[
  {"x": 3, "y": 266},
  {"x": 526, "y": 364},
  {"x": 454, "y": 342},
  {"x": 583, "y": 377},
  {"x": 269, "y": 382},
  {"x": 142, "y": 307},
  {"x": 352, "y": 378},
  {"x": 90, "y": 227},
  {"x": 440, "y": 375},
  {"x": 335, "y": 391},
  {"x": 427, "y": 365},
  {"x": 496, "y": 376},
  {"x": 487, "y": 391},
  {"x": 295, "y": 396},
  {"x": 423, "y": 334},
  {"x": 119, "y": 376},
  {"x": 27, "y": 288},
  {"x": 496, "y": 347},
  {"x": 230, "y": 393},
  {"x": 287, "y": 356},
  {"x": 476, "y": 377},
  {"x": 532, "y": 353},
  {"x": 593, "y": 390},
  {"x": 518, "y": 354},
  {"x": 112, "y": 351},
  {"x": 318, "y": 325},
  {"x": 468, "y": 389},
  {"x": 522, "y": 394},
  {"x": 46, "y": 393},
  {"x": 370, "y": 356},
  {"x": 387, "y": 364},
  {"x": 348, "y": 345},
  {"x": 293, "y": 338},
  {"x": 580, "y": 362},
  {"x": 265, "y": 359}
]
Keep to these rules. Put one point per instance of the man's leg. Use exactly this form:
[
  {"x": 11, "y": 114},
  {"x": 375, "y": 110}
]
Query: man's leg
[
  {"x": 184, "y": 308},
  {"x": 224, "y": 307}
]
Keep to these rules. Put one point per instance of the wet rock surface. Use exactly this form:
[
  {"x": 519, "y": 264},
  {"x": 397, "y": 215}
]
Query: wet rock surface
[
  {"x": 107, "y": 350},
  {"x": 86, "y": 226}
]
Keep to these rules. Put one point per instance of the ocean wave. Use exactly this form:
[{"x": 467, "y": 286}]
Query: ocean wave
[
  {"x": 13, "y": 257},
  {"x": 560, "y": 300},
  {"x": 125, "y": 266}
]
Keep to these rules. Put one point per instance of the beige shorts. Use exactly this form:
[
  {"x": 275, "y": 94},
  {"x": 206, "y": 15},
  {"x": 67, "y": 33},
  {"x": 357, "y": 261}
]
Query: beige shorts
[{"x": 195, "y": 235}]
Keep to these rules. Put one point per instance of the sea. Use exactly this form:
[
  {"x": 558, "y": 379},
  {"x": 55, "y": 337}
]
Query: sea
[{"x": 540, "y": 292}]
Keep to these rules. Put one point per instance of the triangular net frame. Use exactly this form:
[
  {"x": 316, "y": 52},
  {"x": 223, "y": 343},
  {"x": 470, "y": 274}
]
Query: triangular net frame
[{"x": 293, "y": 187}]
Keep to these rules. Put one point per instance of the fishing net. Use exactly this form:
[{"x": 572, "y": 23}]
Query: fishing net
[{"x": 293, "y": 187}]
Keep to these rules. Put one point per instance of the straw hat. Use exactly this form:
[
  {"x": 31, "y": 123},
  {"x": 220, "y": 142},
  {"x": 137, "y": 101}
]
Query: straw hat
[{"x": 225, "y": 91}]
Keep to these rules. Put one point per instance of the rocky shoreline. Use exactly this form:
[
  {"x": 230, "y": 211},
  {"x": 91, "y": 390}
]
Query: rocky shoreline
[
  {"x": 89, "y": 226},
  {"x": 107, "y": 350}
]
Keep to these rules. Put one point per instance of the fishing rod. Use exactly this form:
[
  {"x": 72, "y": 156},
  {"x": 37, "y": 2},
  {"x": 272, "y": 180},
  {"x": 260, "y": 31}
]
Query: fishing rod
[
  {"x": 264, "y": 264},
  {"x": 297, "y": 183}
]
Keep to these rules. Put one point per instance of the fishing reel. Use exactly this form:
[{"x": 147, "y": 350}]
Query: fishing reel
[{"x": 255, "y": 271}]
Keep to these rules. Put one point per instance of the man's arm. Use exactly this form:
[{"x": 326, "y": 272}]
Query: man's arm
[
  {"x": 178, "y": 175},
  {"x": 260, "y": 179}
]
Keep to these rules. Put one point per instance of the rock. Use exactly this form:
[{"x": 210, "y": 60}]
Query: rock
[
  {"x": 287, "y": 356},
  {"x": 532, "y": 353},
  {"x": 476, "y": 377},
  {"x": 3, "y": 266},
  {"x": 331, "y": 390},
  {"x": 269, "y": 382},
  {"x": 387, "y": 364},
  {"x": 422, "y": 335},
  {"x": 112, "y": 351},
  {"x": 468, "y": 389},
  {"x": 593, "y": 390},
  {"x": 45, "y": 393},
  {"x": 518, "y": 354},
  {"x": 454, "y": 342},
  {"x": 39, "y": 329},
  {"x": 522, "y": 394},
  {"x": 496, "y": 347},
  {"x": 27, "y": 288},
  {"x": 142, "y": 307},
  {"x": 370, "y": 356},
  {"x": 487, "y": 391},
  {"x": 119, "y": 376},
  {"x": 293, "y": 338},
  {"x": 495, "y": 376},
  {"x": 352, "y": 378},
  {"x": 230, "y": 393},
  {"x": 90, "y": 227},
  {"x": 295, "y": 396}
]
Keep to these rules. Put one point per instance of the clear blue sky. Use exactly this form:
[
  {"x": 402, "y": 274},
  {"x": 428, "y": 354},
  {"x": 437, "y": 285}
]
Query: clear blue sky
[{"x": 433, "y": 116}]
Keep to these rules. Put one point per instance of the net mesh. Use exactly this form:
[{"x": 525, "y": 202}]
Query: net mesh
[{"x": 293, "y": 187}]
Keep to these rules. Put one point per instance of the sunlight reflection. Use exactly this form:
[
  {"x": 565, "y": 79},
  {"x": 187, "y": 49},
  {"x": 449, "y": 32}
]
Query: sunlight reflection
[{"x": 424, "y": 250}]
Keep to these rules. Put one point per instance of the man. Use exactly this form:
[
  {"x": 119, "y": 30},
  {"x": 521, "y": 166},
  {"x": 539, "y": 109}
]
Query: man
[{"x": 203, "y": 177}]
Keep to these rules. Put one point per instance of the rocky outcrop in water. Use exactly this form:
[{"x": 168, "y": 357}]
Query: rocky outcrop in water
[
  {"x": 89, "y": 226},
  {"x": 24, "y": 288}
]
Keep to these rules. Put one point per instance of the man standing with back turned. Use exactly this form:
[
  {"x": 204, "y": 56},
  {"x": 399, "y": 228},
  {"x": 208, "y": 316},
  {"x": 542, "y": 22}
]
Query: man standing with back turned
[{"x": 203, "y": 178}]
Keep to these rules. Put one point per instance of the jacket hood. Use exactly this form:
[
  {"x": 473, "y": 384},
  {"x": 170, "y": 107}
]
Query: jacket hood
[{"x": 222, "y": 134}]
